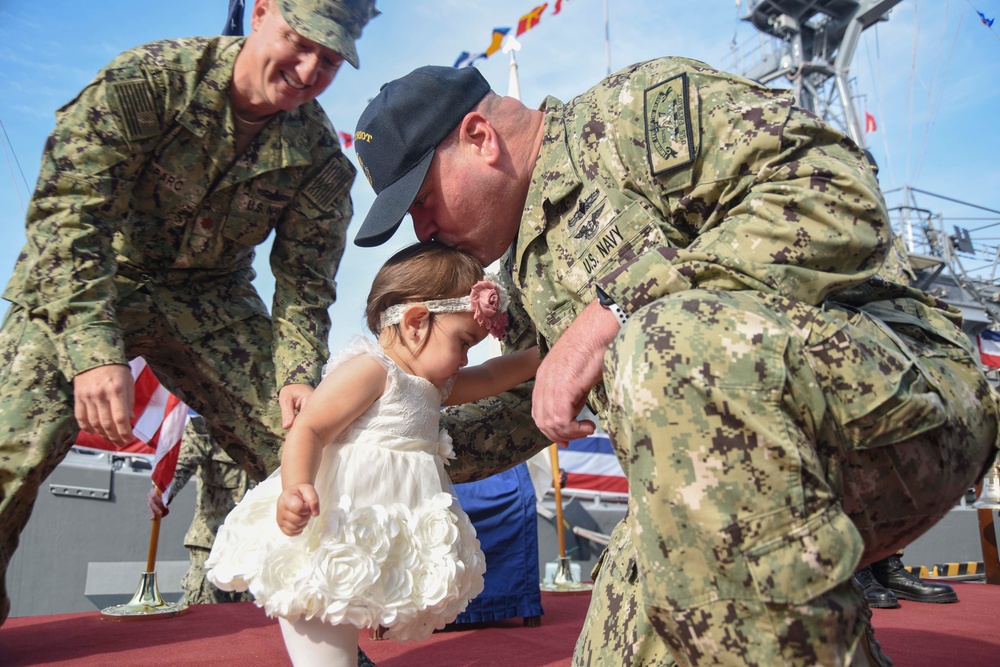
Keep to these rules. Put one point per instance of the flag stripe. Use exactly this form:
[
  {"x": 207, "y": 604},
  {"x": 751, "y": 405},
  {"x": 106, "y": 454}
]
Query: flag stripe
[
  {"x": 145, "y": 383},
  {"x": 989, "y": 348},
  {"x": 170, "y": 434},
  {"x": 590, "y": 464},
  {"x": 599, "y": 464},
  {"x": 152, "y": 415},
  {"x": 594, "y": 444},
  {"x": 596, "y": 482}
]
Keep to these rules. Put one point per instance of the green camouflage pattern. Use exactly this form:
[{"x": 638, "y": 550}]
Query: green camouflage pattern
[
  {"x": 141, "y": 236},
  {"x": 140, "y": 183},
  {"x": 782, "y": 412},
  {"x": 336, "y": 24},
  {"x": 221, "y": 484}
]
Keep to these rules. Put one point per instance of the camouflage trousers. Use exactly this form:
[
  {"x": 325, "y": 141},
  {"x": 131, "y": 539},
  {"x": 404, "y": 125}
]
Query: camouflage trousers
[
  {"x": 198, "y": 590},
  {"x": 225, "y": 374},
  {"x": 771, "y": 448}
]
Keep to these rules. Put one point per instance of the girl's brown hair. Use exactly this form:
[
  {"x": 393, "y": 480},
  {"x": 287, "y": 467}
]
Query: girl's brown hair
[{"x": 421, "y": 272}]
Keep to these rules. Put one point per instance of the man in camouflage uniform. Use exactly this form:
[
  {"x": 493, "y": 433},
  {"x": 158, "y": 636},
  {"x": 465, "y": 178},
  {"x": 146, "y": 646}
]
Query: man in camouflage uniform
[
  {"x": 157, "y": 183},
  {"x": 221, "y": 484},
  {"x": 697, "y": 260}
]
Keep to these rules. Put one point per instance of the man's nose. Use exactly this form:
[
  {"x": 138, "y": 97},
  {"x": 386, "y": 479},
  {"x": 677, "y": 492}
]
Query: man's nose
[
  {"x": 308, "y": 68},
  {"x": 423, "y": 226}
]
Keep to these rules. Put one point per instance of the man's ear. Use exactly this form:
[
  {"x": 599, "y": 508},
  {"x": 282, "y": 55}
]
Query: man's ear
[
  {"x": 477, "y": 133},
  {"x": 260, "y": 8},
  {"x": 416, "y": 319}
]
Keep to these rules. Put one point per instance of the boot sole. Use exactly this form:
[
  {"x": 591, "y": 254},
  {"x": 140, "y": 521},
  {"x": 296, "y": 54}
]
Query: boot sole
[
  {"x": 915, "y": 598},
  {"x": 884, "y": 605}
]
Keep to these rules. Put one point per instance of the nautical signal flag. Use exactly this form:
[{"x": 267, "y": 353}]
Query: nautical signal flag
[
  {"x": 531, "y": 19},
  {"x": 870, "y": 125},
  {"x": 986, "y": 22},
  {"x": 496, "y": 41},
  {"x": 524, "y": 24},
  {"x": 466, "y": 59},
  {"x": 989, "y": 348},
  {"x": 346, "y": 139}
]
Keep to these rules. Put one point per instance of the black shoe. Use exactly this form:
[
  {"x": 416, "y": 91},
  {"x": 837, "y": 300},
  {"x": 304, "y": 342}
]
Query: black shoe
[
  {"x": 891, "y": 573},
  {"x": 878, "y": 596},
  {"x": 364, "y": 660}
]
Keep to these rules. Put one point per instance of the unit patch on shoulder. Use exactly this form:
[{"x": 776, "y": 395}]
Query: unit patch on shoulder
[
  {"x": 667, "y": 111},
  {"x": 135, "y": 104}
]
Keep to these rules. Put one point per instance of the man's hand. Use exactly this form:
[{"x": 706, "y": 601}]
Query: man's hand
[
  {"x": 156, "y": 507},
  {"x": 292, "y": 398},
  {"x": 104, "y": 400},
  {"x": 296, "y": 506},
  {"x": 569, "y": 371}
]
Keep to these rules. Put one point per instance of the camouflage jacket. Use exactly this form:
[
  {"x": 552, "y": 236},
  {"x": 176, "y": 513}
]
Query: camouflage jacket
[
  {"x": 140, "y": 184},
  {"x": 221, "y": 482},
  {"x": 669, "y": 176}
]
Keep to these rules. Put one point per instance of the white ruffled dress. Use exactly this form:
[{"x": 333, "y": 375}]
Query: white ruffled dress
[{"x": 390, "y": 547}]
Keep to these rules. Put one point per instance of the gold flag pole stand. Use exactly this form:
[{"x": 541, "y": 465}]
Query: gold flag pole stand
[
  {"x": 146, "y": 604},
  {"x": 562, "y": 581}
]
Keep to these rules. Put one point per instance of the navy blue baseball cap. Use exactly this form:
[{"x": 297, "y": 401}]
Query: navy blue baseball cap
[{"x": 397, "y": 135}]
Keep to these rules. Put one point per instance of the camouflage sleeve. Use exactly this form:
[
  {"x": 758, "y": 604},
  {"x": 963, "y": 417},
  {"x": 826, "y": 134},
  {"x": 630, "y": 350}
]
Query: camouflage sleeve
[
  {"x": 308, "y": 245},
  {"x": 196, "y": 449},
  {"x": 496, "y": 433},
  {"x": 764, "y": 195},
  {"x": 89, "y": 165}
]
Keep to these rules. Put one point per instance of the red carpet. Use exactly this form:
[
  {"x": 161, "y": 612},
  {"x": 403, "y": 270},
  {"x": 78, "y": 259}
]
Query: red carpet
[
  {"x": 916, "y": 635},
  {"x": 962, "y": 634}
]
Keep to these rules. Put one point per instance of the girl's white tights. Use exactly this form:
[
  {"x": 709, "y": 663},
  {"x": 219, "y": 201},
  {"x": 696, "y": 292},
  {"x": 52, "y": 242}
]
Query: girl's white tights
[{"x": 314, "y": 643}]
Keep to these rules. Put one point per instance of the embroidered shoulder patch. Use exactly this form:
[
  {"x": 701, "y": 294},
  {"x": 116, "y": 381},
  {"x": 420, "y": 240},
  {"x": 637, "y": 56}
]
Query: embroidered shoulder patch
[
  {"x": 135, "y": 104},
  {"x": 331, "y": 183},
  {"x": 667, "y": 111}
]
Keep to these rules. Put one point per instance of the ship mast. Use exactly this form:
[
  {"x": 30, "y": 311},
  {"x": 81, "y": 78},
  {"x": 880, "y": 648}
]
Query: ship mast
[
  {"x": 818, "y": 39},
  {"x": 811, "y": 44}
]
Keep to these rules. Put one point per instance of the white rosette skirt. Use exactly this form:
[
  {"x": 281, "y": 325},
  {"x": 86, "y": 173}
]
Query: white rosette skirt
[{"x": 390, "y": 546}]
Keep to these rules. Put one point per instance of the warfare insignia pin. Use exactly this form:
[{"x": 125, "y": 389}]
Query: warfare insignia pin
[{"x": 669, "y": 137}]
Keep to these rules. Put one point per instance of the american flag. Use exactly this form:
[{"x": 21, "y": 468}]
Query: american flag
[
  {"x": 989, "y": 348},
  {"x": 590, "y": 464},
  {"x": 158, "y": 425}
]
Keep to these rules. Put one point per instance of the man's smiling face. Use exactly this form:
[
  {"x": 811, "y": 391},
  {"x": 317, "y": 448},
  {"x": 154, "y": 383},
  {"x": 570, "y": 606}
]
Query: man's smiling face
[{"x": 288, "y": 69}]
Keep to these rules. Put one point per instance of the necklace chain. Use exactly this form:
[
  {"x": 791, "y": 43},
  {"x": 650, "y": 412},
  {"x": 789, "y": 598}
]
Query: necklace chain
[{"x": 250, "y": 122}]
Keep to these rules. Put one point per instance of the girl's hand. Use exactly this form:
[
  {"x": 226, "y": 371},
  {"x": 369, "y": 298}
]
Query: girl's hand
[{"x": 296, "y": 505}]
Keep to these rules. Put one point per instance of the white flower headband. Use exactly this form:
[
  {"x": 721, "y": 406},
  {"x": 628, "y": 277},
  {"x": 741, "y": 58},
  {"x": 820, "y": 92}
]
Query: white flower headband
[{"x": 488, "y": 302}]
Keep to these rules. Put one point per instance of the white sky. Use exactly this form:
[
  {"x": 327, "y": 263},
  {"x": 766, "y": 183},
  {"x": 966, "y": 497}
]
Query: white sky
[{"x": 930, "y": 76}]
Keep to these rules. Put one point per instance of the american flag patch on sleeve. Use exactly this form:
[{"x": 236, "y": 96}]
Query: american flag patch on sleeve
[
  {"x": 331, "y": 183},
  {"x": 135, "y": 104}
]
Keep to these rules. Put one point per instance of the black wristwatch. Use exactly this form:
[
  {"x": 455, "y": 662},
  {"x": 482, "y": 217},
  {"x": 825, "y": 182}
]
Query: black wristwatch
[{"x": 609, "y": 303}]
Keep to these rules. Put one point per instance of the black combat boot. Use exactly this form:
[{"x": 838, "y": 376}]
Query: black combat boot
[
  {"x": 891, "y": 573},
  {"x": 877, "y": 595}
]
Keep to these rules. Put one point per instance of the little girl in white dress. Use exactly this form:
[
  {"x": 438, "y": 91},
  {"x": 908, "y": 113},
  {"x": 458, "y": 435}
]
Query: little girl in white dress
[{"x": 359, "y": 527}]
